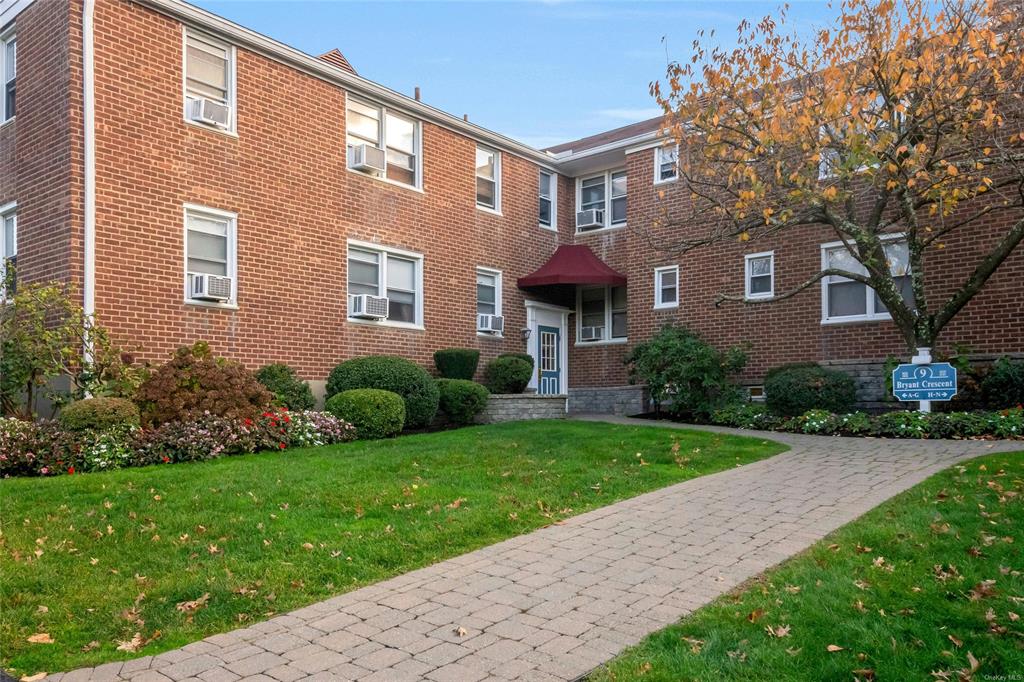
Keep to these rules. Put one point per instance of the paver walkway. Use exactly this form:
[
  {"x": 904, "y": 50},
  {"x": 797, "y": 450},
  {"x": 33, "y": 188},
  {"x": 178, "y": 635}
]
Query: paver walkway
[{"x": 555, "y": 603}]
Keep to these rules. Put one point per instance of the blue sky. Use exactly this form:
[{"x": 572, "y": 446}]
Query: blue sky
[{"x": 541, "y": 72}]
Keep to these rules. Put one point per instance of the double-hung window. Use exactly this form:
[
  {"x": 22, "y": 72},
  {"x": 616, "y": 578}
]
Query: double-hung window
[
  {"x": 601, "y": 314},
  {"x": 605, "y": 192},
  {"x": 666, "y": 164},
  {"x": 382, "y": 129},
  {"x": 759, "y": 275},
  {"x": 210, "y": 250},
  {"x": 8, "y": 74},
  {"x": 488, "y": 178},
  {"x": 398, "y": 275},
  {"x": 209, "y": 75},
  {"x": 547, "y": 192},
  {"x": 846, "y": 300},
  {"x": 8, "y": 252},
  {"x": 666, "y": 287},
  {"x": 488, "y": 297}
]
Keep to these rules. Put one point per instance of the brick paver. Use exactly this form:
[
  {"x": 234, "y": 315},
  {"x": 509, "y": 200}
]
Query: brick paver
[{"x": 555, "y": 603}]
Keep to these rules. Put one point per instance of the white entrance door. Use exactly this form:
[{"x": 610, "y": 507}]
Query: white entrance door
[{"x": 548, "y": 344}]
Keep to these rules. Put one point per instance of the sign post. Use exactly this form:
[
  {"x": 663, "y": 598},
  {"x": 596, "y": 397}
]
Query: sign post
[{"x": 924, "y": 381}]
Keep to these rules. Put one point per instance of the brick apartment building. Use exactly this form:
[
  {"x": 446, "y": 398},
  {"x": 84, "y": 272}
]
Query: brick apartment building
[{"x": 197, "y": 180}]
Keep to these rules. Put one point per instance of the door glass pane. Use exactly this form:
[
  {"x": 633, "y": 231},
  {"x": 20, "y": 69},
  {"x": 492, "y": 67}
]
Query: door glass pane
[{"x": 846, "y": 298}]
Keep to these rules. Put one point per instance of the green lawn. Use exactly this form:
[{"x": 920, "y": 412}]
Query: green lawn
[
  {"x": 92, "y": 560},
  {"x": 928, "y": 586}
]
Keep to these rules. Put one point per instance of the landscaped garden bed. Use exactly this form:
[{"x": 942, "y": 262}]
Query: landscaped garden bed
[
  {"x": 929, "y": 586},
  {"x": 125, "y": 563}
]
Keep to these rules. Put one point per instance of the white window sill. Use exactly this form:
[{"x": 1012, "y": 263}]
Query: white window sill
[
  {"x": 666, "y": 306},
  {"x": 599, "y": 230},
  {"x": 488, "y": 335},
  {"x": 608, "y": 342},
  {"x": 8, "y": 121},
  {"x": 548, "y": 228},
  {"x": 853, "y": 319},
  {"x": 211, "y": 304},
  {"x": 758, "y": 297},
  {"x": 666, "y": 182},
  {"x": 386, "y": 180},
  {"x": 487, "y": 209},
  {"x": 387, "y": 323},
  {"x": 211, "y": 129}
]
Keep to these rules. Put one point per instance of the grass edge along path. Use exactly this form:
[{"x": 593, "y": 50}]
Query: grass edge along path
[
  {"x": 927, "y": 586},
  {"x": 112, "y": 566}
]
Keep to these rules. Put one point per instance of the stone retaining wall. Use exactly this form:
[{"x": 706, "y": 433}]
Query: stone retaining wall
[
  {"x": 620, "y": 400},
  {"x": 510, "y": 407}
]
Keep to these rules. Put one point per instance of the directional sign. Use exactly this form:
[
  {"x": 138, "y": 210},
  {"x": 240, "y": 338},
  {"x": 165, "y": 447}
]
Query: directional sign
[{"x": 936, "y": 381}]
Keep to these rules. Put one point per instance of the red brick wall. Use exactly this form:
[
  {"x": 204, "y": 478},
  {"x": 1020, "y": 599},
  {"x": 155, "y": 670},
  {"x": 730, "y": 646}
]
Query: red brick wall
[
  {"x": 787, "y": 331},
  {"x": 38, "y": 146},
  {"x": 285, "y": 177}
]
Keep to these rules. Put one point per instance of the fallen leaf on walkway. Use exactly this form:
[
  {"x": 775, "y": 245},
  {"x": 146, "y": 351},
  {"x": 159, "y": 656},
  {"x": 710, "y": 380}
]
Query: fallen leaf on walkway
[
  {"x": 40, "y": 638},
  {"x": 461, "y": 631}
]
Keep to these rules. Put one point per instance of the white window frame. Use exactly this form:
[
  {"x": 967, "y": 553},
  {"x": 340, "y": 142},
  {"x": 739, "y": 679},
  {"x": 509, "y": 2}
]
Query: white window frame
[
  {"x": 658, "y": 153},
  {"x": 6, "y": 37},
  {"x": 232, "y": 81},
  {"x": 384, "y": 252},
  {"x": 553, "y": 227},
  {"x": 6, "y": 211},
  {"x": 607, "y": 175},
  {"x": 747, "y": 274},
  {"x": 658, "y": 272},
  {"x": 498, "y": 293},
  {"x": 232, "y": 264},
  {"x": 496, "y": 209},
  {"x": 871, "y": 315},
  {"x": 609, "y": 341},
  {"x": 383, "y": 112}
]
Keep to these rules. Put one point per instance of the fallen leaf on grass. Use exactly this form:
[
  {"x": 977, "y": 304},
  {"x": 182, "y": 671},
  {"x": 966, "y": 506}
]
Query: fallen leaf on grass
[
  {"x": 793, "y": 651},
  {"x": 832, "y": 648},
  {"x": 190, "y": 607},
  {"x": 792, "y": 589},
  {"x": 864, "y": 674},
  {"x": 956, "y": 642},
  {"x": 308, "y": 546},
  {"x": 695, "y": 644},
  {"x": 90, "y": 646},
  {"x": 859, "y": 605},
  {"x": 986, "y": 588},
  {"x": 40, "y": 638},
  {"x": 455, "y": 504},
  {"x": 1013, "y": 616},
  {"x": 754, "y": 615},
  {"x": 34, "y": 678},
  {"x": 134, "y": 644},
  {"x": 778, "y": 631},
  {"x": 42, "y": 609}
]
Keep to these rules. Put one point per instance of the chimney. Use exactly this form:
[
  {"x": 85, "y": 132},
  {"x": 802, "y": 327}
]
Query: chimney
[
  {"x": 465, "y": 117},
  {"x": 336, "y": 58},
  {"x": 416, "y": 93}
]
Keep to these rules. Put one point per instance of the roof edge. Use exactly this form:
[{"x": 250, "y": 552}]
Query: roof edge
[{"x": 202, "y": 19}]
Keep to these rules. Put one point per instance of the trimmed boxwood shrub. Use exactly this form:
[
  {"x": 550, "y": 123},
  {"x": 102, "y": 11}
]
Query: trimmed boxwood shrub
[
  {"x": 461, "y": 401},
  {"x": 374, "y": 413},
  {"x": 288, "y": 389},
  {"x": 98, "y": 414},
  {"x": 507, "y": 374},
  {"x": 194, "y": 383},
  {"x": 418, "y": 389},
  {"x": 1003, "y": 386},
  {"x": 521, "y": 356},
  {"x": 457, "y": 363},
  {"x": 792, "y": 390}
]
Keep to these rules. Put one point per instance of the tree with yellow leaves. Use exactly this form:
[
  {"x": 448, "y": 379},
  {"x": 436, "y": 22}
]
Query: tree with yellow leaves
[{"x": 889, "y": 131}]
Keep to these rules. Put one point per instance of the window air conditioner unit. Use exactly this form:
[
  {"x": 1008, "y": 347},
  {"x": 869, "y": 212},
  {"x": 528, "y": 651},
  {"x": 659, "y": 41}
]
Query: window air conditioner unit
[
  {"x": 493, "y": 324},
  {"x": 211, "y": 288},
  {"x": 210, "y": 112},
  {"x": 591, "y": 333},
  {"x": 367, "y": 158},
  {"x": 367, "y": 307},
  {"x": 592, "y": 217}
]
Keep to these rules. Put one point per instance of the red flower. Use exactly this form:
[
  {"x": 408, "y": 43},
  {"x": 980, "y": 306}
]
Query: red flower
[
  {"x": 71, "y": 470},
  {"x": 166, "y": 459},
  {"x": 287, "y": 419},
  {"x": 248, "y": 422},
  {"x": 267, "y": 414},
  {"x": 281, "y": 445}
]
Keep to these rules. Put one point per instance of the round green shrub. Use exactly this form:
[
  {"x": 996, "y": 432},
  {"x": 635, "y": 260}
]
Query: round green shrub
[
  {"x": 521, "y": 356},
  {"x": 462, "y": 401},
  {"x": 374, "y": 413},
  {"x": 98, "y": 414},
  {"x": 288, "y": 389},
  {"x": 792, "y": 390},
  {"x": 1003, "y": 386},
  {"x": 457, "y": 363},
  {"x": 418, "y": 389},
  {"x": 507, "y": 374}
]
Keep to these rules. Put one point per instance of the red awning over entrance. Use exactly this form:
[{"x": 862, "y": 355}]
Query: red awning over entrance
[{"x": 573, "y": 264}]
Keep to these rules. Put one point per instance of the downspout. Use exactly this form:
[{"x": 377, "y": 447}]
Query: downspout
[{"x": 89, "y": 171}]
